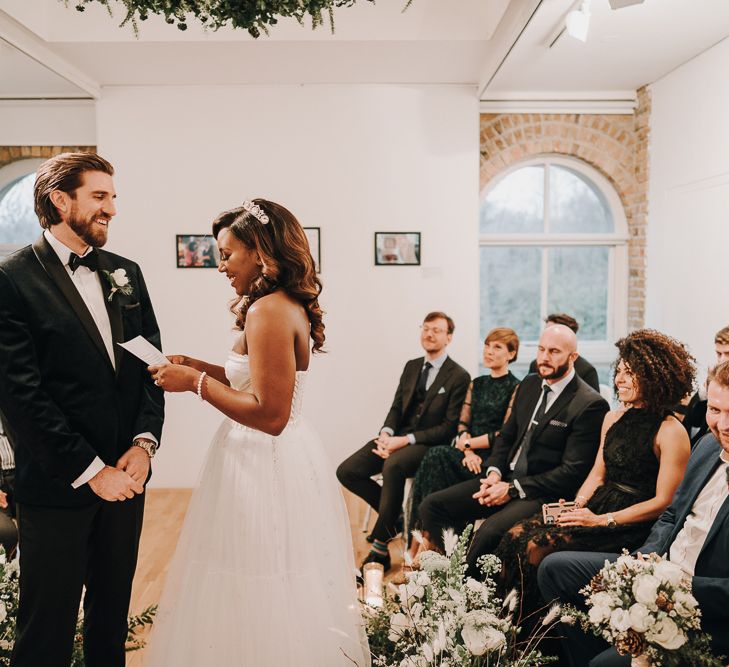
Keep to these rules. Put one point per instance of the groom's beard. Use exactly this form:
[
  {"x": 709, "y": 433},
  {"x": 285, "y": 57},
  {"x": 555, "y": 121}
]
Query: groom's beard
[{"x": 89, "y": 231}]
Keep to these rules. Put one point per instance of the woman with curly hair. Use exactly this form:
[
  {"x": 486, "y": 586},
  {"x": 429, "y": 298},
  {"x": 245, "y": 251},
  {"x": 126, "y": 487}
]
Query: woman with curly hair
[
  {"x": 641, "y": 461},
  {"x": 247, "y": 563}
]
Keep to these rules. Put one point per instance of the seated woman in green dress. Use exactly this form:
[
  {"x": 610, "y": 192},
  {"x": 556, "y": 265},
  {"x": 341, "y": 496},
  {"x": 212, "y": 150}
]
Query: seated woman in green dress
[{"x": 484, "y": 412}]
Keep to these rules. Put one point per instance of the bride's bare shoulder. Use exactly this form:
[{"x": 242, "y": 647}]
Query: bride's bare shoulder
[{"x": 277, "y": 304}]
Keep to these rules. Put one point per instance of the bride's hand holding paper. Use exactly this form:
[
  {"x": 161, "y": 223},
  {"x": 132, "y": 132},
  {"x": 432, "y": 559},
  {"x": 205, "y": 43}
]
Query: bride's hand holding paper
[{"x": 174, "y": 377}]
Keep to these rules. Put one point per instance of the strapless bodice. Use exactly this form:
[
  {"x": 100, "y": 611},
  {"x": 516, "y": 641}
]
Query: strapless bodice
[{"x": 238, "y": 372}]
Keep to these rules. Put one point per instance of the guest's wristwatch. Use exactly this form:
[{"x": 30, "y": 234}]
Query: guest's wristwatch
[
  {"x": 513, "y": 491},
  {"x": 611, "y": 522},
  {"x": 147, "y": 445},
  {"x": 467, "y": 444}
]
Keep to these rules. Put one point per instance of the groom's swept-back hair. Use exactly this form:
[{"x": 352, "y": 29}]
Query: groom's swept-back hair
[
  {"x": 63, "y": 172},
  {"x": 288, "y": 265}
]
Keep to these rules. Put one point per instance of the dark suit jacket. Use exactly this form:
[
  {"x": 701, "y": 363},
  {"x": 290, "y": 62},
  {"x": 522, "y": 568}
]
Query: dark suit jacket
[
  {"x": 564, "y": 444},
  {"x": 583, "y": 368},
  {"x": 441, "y": 409},
  {"x": 711, "y": 575},
  {"x": 62, "y": 401}
]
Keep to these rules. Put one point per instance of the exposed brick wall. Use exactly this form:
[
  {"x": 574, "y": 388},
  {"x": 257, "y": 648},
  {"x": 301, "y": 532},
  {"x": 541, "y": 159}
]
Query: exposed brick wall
[
  {"x": 615, "y": 145},
  {"x": 10, "y": 154}
]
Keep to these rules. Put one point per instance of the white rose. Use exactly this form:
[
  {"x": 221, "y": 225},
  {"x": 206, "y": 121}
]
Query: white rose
[
  {"x": 399, "y": 624},
  {"x": 120, "y": 278},
  {"x": 665, "y": 633},
  {"x": 645, "y": 590},
  {"x": 620, "y": 619},
  {"x": 598, "y": 614},
  {"x": 670, "y": 572},
  {"x": 685, "y": 603},
  {"x": 478, "y": 641},
  {"x": 640, "y": 617}
]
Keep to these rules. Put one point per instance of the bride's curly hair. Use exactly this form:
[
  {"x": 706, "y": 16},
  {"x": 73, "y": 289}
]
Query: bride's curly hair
[{"x": 287, "y": 261}]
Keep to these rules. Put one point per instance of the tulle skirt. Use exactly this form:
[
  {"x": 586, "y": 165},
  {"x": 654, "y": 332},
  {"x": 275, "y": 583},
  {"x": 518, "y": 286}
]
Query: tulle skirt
[{"x": 263, "y": 575}]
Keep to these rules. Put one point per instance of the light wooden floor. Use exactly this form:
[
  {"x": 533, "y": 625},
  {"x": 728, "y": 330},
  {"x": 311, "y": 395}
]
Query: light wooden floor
[{"x": 164, "y": 513}]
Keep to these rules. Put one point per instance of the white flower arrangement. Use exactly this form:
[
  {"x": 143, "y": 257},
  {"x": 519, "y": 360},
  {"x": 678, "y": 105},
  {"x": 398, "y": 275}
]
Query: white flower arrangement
[
  {"x": 119, "y": 282},
  {"x": 644, "y": 607},
  {"x": 440, "y": 617}
]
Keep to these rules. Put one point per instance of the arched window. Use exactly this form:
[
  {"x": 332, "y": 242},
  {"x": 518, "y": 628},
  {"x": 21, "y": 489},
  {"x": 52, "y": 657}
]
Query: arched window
[
  {"x": 18, "y": 222},
  {"x": 553, "y": 238}
]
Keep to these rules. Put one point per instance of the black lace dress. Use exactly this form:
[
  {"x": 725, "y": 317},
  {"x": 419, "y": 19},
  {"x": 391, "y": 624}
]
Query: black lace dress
[
  {"x": 631, "y": 470},
  {"x": 483, "y": 412}
]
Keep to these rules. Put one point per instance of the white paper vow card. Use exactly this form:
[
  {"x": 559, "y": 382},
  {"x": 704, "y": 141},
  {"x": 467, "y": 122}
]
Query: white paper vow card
[{"x": 148, "y": 353}]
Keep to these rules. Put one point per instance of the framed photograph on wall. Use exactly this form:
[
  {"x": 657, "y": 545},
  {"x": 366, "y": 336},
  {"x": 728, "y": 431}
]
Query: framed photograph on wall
[
  {"x": 313, "y": 234},
  {"x": 197, "y": 251},
  {"x": 397, "y": 248}
]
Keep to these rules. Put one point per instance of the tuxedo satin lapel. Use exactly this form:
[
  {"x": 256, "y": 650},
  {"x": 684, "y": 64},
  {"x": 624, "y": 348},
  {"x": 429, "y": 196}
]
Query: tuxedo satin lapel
[
  {"x": 112, "y": 308},
  {"x": 58, "y": 274}
]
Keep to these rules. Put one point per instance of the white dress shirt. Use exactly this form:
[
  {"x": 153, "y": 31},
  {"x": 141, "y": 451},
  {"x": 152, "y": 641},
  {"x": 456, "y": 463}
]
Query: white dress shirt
[
  {"x": 88, "y": 284},
  {"x": 690, "y": 540}
]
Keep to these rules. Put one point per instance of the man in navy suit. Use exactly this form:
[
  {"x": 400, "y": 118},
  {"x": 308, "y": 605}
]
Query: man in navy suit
[{"x": 693, "y": 532}]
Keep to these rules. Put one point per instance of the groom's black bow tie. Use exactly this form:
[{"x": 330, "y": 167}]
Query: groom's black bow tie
[{"x": 90, "y": 261}]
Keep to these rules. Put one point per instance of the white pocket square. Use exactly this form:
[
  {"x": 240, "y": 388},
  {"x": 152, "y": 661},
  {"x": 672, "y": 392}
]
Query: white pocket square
[
  {"x": 555, "y": 422},
  {"x": 441, "y": 390}
]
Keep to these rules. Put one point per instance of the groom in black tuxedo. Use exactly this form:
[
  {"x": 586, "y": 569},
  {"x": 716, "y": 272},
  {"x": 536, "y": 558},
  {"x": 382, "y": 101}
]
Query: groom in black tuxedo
[
  {"x": 544, "y": 452},
  {"x": 83, "y": 414}
]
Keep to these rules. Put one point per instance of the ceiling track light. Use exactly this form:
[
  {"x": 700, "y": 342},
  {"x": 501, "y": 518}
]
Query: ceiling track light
[{"x": 577, "y": 22}]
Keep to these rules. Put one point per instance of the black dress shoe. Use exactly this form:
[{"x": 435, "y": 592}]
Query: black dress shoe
[
  {"x": 370, "y": 538},
  {"x": 373, "y": 557}
]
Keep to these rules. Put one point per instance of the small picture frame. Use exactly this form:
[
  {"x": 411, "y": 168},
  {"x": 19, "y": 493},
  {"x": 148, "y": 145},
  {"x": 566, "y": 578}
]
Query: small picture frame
[
  {"x": 397, "y": 248},
  {"x": 197, "y": 251},
  {"x": 313, "y": 235}
]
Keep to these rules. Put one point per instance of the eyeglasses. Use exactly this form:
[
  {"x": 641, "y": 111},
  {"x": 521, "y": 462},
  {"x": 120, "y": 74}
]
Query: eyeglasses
[{"x": 432, "y": 330}]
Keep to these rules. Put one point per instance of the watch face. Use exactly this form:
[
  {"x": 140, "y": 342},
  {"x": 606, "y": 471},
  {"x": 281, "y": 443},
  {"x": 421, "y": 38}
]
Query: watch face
[{"x": 513, "y": 493}]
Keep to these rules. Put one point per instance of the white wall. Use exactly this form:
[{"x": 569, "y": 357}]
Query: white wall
[
  {"x": 350, "y": 159},
  {"x": 47, "y": 123},
  {"x": 688, "y": 239}
]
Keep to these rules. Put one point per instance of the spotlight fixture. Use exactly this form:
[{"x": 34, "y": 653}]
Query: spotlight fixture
[{"x": 578, "y": 22}]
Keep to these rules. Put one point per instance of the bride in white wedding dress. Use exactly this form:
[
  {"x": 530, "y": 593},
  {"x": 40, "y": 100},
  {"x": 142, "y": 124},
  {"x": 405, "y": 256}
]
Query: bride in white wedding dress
[{"x": 263, "y": 575}]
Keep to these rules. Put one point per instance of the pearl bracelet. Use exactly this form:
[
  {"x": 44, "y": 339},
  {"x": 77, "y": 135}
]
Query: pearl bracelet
[{"x": 200, "y": 384}]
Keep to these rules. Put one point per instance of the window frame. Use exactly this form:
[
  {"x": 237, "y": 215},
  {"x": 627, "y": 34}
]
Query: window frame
[
  {"x": 12, "y": 172},
  {"x": 597, "y": 352}
]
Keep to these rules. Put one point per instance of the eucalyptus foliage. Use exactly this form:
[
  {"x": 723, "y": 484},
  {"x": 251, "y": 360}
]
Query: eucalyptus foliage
[{"x": 255, "y": 16}]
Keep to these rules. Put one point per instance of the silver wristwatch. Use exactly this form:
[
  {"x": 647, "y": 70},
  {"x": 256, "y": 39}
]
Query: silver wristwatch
[{"x": 147, "y": 445}]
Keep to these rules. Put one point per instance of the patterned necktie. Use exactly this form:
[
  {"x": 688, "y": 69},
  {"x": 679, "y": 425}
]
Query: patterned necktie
[{"x": 89, "y": 260}]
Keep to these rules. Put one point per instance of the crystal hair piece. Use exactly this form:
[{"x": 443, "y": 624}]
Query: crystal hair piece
[{"x": 256, "y": 211}]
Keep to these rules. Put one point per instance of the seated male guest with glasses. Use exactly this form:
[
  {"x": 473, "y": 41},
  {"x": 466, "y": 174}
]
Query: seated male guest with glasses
[{"x": 424, "y": 413}]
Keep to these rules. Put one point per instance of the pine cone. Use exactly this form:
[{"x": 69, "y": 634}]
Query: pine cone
[
  {"x": 597, "y": 583},
  {"x": 663, "y": 603},
  {"x": 631, "y": 642}
]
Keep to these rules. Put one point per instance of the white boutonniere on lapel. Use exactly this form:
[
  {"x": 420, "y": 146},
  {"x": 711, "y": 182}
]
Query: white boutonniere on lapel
[{"x": 119, "y": 282}]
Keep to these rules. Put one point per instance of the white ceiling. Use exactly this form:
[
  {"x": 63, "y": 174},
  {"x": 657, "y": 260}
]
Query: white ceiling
[
  {"x": 502, "y": 43},
  {"x": 625, "y": 49}
]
